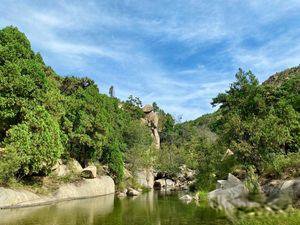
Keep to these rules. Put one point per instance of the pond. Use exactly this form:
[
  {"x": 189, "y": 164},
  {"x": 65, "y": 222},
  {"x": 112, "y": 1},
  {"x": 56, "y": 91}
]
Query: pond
[{"x": 159, "y": 208}]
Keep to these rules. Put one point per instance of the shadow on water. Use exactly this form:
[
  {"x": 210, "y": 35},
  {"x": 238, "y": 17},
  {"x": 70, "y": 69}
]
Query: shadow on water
[{"x": 157, "y": 208}]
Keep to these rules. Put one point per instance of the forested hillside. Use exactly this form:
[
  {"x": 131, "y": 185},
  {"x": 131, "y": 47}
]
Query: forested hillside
[
  {"x": 256, "y": 130},
  {"x": 45, "y": 117}
]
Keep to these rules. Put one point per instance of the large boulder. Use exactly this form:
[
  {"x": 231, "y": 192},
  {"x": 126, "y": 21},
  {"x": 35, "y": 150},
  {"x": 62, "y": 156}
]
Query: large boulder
[
  {"x": 75, "y": 166},
  {"x": 145, "y": 178},
  {"x": 60, "y": 169},
  {"x": 89, "y": 172},
  {"x": 283, "y": 193},
  {"x": 230, "y": 195},
  {"x": 147, "y": 108},
  {"x": 231, "y": 181}
]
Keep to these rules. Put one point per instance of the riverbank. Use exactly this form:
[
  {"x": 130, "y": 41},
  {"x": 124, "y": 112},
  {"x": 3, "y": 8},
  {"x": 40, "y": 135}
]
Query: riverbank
[
  {"x": 85, "y": 188},
  {"x": 154, "y": 207}
]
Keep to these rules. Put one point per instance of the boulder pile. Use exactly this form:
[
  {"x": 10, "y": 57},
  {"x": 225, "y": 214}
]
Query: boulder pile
[{"x": 182, "y": 181}]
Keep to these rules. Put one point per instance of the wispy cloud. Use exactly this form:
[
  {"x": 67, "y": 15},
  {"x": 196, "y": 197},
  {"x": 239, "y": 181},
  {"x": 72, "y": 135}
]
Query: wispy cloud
[{"x": 177, "y": 53}]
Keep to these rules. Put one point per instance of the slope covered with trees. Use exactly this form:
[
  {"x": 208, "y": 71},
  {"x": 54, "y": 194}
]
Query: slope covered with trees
[
  {"x": 45, "y": 117},
  {"x": 259, "y": 124}
]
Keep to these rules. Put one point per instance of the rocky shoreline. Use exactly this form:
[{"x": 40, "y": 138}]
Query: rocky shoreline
[
  {"x": 86, "y": 188},
  {"x": 275, "y": 196}
]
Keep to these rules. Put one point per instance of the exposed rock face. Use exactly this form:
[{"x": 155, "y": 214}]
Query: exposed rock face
[
  {"x": 145, "y": 178},
  {"x": 87, "y": 188},
  {"x": 9, "y": 197},
  {"x": 151, "y": 120},
  {"x": 89, "y": 172},
  {"x": 230, "y": 195}
]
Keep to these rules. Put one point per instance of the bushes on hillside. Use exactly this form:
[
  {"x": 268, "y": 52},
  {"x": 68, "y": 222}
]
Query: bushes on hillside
[
  {"x": 44, "y": 117},
  {"x": 258, "y": 121}
]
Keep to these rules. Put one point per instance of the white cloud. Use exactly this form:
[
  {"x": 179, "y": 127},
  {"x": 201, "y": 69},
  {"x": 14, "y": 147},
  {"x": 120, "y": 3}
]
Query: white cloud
[{"x": 112, "y": 41}]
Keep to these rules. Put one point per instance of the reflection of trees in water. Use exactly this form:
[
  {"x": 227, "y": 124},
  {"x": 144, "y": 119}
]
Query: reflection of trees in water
[
  {"x": 157, "y": 208},
  {"x": 71, "y": 212}
]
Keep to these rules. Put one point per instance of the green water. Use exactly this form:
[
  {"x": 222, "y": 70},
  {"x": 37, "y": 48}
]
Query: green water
[{"x": 152, "y": 208}]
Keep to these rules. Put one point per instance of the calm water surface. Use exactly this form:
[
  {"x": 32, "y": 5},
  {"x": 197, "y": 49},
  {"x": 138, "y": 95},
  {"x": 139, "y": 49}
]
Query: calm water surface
[{"x": 152, "y": 208}]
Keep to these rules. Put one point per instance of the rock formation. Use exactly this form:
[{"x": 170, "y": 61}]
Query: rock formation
[
  {"x": 151, "y": 120},
  {"x": 145, "y": 178},
  {"x": 230, "y": 195},
  {"x": 103, "y": 185}
]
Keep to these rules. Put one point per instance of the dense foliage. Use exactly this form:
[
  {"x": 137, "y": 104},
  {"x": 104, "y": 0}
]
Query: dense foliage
[
  {"x": 260, "y": 121},
  {"x": 260, "y": 124},
  {"x": 45, "y": 117}
]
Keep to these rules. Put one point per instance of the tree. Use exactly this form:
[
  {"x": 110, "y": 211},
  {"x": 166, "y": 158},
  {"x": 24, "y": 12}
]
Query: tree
[{"x": 257, "y": 121}]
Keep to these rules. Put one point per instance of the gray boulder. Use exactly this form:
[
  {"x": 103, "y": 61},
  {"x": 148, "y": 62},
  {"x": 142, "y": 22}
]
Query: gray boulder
[
  {"x": 231, "y": 181},
  {"x": 230, "y": 195},
  {"x": 283, "y": 193},
  {"x": 147, "y": 108}
]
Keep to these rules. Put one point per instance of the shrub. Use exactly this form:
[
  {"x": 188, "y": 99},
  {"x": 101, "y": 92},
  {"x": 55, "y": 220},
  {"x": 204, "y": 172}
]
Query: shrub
[{"x": 33, "y": 146}]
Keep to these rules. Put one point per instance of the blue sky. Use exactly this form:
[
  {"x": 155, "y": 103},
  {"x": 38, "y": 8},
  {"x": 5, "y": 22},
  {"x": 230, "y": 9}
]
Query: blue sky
[{"x": 177, "y": 53}]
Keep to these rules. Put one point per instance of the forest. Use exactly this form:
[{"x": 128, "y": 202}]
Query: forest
[{"x": 45, "y": 117}]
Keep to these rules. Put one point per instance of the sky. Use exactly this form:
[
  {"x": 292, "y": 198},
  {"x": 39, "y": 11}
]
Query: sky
[{"x": 179, "y": 54}]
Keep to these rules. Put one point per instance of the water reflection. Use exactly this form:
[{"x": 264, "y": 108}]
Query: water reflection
[
  {"x": 81, "y": 211},
  {"x": 156, "y": 208}
]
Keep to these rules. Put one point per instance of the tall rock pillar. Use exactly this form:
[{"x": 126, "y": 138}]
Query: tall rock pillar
[{"x": 151, "y": 119}]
